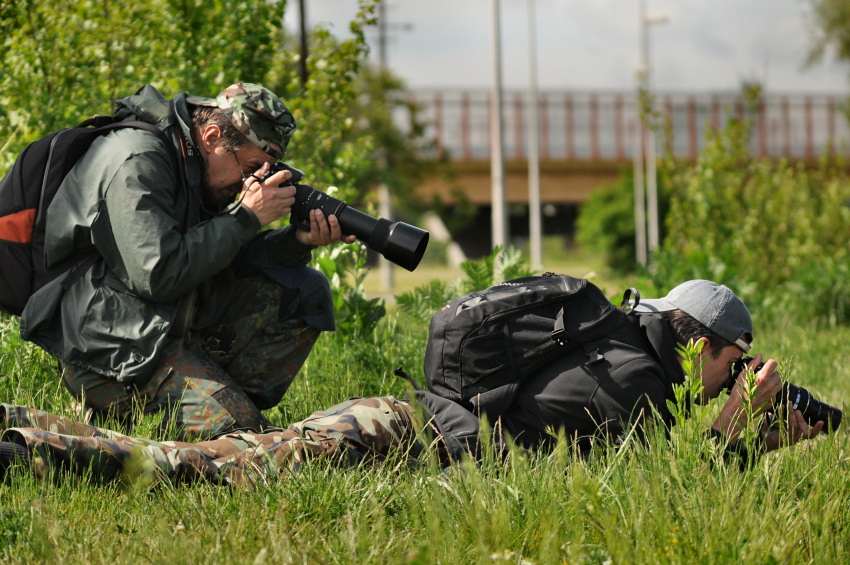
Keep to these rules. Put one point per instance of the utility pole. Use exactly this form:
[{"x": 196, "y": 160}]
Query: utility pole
[
  {"x": 535, "y": 224},
  {"x": 384, "y": 200},
  {"x": 499, "y": 217},
  {"x": 640, "y": 194},
  {"x": 302, "y": 62},
  {"x": 647, "y": 143},
  {"x": 384, "y": 29}
]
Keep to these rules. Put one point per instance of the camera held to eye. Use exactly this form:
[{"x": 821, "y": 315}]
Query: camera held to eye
[
  {"x": 813, "y": 410},
  {"x": 400, "y": 243}
]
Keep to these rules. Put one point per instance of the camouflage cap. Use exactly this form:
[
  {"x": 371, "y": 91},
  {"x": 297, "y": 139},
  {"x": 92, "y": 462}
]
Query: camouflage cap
[{"x": 256, "y": 112}]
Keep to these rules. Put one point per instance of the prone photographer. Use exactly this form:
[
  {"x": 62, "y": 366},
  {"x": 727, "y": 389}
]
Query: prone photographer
[
  {"x": 182, "y": 304},
  {"x": 633, "y": 376}
]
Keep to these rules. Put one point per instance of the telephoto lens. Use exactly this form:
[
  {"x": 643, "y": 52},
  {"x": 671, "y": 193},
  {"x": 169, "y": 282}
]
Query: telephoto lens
[
  {"x": 400, "y": 243},
  {"x": 813, "y": 410}
]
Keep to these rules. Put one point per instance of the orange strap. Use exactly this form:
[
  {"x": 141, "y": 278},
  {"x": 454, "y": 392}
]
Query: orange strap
[{"x": 18, "y": 226}]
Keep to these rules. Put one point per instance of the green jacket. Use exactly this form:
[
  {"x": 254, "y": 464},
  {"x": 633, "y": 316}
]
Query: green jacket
[{"x": 156, "y": 248}]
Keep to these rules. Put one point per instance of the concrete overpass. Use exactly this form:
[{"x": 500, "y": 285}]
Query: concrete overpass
[
  {"x": 587, "y": 138},
  {"x": 561, "y": 181}
]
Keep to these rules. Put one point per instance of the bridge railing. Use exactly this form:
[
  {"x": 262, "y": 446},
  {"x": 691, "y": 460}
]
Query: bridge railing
[{"x": 577, "y": 125}]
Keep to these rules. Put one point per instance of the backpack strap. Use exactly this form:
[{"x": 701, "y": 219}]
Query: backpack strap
[
  {"x": 400, "y": 372},
  {"x": 98, "y": 122},
  {"x": 106, "y": 123},
  {"x": 591, "y": 352},
  {"x": 78, "y": 270}
]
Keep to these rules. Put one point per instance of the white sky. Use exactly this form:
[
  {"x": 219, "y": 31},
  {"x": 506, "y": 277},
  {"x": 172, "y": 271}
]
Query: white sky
[{"x": 706, "y": 45}]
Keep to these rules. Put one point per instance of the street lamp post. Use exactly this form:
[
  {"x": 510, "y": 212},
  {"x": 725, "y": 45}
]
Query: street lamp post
[
  {"x": 640, "y": 195},
  {"x": 499, "y": 217},
  {"x": 535, "y": 227},
  {"x": 647, "y": 138}
]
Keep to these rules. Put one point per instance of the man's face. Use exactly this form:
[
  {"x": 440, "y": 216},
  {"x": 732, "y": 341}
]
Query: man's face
[
  {"x": 225, "y": 170},
  {"x": 716, "y": 371}
]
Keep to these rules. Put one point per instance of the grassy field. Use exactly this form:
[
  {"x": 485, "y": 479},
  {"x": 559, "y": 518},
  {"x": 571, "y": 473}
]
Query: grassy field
[{"x": 671, "y": 501}]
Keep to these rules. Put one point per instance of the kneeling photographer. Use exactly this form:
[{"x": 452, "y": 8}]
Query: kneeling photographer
[{"x": 176, "y": 300}]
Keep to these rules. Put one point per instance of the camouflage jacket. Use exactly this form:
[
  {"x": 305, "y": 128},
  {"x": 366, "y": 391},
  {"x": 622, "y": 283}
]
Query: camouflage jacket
[{"x": 125, "y": 201}]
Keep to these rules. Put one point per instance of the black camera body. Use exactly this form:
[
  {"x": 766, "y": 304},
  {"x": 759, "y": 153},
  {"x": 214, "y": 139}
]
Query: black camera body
[
  {"x": 813, "y": 410},
  {"x": 400, "y": 243}
]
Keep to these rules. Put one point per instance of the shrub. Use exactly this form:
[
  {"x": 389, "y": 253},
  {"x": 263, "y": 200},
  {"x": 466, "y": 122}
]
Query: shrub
[
  {"x": 606, "y": 224},
  {"x": 775, "y": 231},
  {"x": 501, "y": 265}
]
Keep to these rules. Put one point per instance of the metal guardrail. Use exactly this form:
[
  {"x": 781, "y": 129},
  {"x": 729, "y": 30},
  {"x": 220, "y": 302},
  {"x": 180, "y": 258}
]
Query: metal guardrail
[{"x": 577, "y": 126}]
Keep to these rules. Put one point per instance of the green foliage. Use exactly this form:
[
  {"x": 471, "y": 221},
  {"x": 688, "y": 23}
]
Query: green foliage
[
  {"x": 397, "y": 156},
  {"x": 345, "y": 267},
  {"x": 64, "y": 61},
  {"x": 421, "y": 302},
  {"x": 25, "y": 370},
  {"x": 501, "y": 265},
  {"x": 328, "y": 145},
  {"x": 830, "y": 29},
  {"x": 217, "y": 43},
  {"x": 687, "y": 393},
  {"x": 606, "y": 224},
  {"x": 774, "y": 231}
]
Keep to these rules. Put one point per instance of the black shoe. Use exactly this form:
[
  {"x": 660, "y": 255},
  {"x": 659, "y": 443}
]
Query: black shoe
[{"x": 11, "y": 453}]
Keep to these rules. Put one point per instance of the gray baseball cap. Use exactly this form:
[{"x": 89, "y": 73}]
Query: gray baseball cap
[{"x": 713, "y": 305}]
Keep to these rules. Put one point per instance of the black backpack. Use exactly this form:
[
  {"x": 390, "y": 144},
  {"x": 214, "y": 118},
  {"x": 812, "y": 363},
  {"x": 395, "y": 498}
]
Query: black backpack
[
  {"x": 483, "y": 345},
  {"x": 25, "y": 193}
]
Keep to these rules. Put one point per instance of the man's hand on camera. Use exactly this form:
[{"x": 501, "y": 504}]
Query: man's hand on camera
[
  {"x": 794, "y": 429},
  {"x": 323, "y": 231},
  {"x": 267, "y": 199},
  {"x": 733, "y": 417}
]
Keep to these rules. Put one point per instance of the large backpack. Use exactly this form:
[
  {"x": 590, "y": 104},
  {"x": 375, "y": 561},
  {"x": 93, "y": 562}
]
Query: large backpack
[
  {"x": 25, "y": 193},
  {"x": 483, "y": 345}
]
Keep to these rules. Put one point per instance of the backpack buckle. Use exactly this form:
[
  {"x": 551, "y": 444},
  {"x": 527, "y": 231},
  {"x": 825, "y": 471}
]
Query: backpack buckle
[
  {"x": 559, "y": 335},
  {"x": 593, "y": 356}
]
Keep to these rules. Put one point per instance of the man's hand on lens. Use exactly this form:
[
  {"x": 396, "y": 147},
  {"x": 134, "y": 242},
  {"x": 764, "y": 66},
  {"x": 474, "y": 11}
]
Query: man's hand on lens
[{"x": 323, "y": 231}]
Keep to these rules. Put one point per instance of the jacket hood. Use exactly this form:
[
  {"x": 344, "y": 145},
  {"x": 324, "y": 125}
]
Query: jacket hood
[
  {"x": 149, "y": 105},
  {"x": 660, "y": 338}
]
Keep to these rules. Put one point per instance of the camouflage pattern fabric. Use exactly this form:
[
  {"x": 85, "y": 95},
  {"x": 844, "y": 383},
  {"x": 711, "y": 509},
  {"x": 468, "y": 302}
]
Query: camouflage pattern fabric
[
  {"x": 256, "y": 112},
  {"x": 260, "y": 341},
  {"x": 352, "y": 432},
  {"x": 224, "y": 376}
]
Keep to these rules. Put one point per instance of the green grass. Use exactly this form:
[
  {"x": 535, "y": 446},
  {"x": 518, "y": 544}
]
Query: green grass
[{"x": 666, "y": 502}]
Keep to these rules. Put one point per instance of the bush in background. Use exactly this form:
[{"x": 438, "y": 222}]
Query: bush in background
[
  {"x": 606, "y": 224},
  {"x": 773, "y": 230}
]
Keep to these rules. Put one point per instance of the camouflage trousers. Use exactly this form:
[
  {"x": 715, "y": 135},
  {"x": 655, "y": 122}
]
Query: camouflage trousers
[
  {"x": 355, "y": 431},
  {"x": 220, "y": 377}
]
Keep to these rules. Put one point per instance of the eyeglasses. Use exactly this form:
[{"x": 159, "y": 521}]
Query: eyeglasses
[{"x": 245, "y": 176}]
